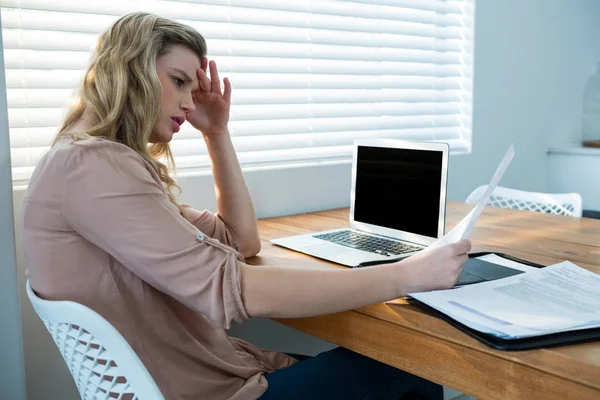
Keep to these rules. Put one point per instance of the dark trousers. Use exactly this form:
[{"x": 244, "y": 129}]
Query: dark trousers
[{"x": 343, "y": 374}]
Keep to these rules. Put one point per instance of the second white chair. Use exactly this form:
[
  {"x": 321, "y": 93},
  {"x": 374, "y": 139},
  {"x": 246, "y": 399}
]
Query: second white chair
[{"x": 568, "y": 204}]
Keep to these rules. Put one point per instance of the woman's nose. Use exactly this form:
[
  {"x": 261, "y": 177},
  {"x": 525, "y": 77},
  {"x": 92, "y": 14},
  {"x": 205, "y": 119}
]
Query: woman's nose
[{"x": 187, "y": 104}]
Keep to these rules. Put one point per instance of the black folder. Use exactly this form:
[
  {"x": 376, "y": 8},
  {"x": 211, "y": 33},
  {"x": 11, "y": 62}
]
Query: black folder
[{"x": 529, "y": 343}]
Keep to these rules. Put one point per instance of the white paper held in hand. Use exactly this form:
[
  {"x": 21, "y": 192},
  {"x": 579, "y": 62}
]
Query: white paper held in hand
[{"x": 463, "y": 229}]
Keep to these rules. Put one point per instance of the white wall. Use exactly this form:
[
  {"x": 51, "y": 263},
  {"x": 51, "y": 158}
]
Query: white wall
[
  {"x": 575, "y": 170},
  {"x": 532, "y": 58}
]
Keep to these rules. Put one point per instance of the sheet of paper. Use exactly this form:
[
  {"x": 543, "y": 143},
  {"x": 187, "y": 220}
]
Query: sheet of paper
[
  {"x": 558, "y": 298},
  {"x": 463, "y": 229}
]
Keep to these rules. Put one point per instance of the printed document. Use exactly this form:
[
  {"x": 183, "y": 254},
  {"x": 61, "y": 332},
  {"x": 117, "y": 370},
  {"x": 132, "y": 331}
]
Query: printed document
[{"x": 558, "y": 298}]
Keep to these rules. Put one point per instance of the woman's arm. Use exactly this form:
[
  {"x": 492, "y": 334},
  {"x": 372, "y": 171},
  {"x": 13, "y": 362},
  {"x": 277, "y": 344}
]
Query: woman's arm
[
  {"x": 233, "y": 199},
  {"x": 111, "y": 199},
  {"x": 210, "y": 116},
  {"x": 296, "y": 292}
]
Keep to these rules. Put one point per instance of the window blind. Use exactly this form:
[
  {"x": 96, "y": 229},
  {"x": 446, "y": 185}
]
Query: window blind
[{"x": 308, "y": 76}]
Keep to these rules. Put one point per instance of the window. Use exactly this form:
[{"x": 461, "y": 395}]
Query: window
[{"x": 309, "y": 76}]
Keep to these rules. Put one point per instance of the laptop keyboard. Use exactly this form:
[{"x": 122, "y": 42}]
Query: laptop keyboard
[{"x": 370, "y": 243}]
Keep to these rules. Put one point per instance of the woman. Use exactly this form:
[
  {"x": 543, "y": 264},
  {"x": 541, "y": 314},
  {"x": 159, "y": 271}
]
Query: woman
[{"x": 102, "y": 227}]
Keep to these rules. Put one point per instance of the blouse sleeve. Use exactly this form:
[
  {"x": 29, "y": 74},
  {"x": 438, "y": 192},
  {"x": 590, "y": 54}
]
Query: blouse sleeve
[
  {"x": 112, "y": 199},
  {"x": 212, "y": 225}
]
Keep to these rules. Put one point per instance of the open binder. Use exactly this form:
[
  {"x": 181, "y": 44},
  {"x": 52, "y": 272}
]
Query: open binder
[{"x": 515, "y": 344}]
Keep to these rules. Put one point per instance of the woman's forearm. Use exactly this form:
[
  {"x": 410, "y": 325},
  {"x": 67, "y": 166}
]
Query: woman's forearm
[
  {"x": 302, "y": 292},
  {"x": 233, "y": 199},
  {"x": 297, "y": 292}
]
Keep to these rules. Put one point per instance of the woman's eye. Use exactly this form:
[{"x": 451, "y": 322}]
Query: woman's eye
[{"x": 179, "y": 82}]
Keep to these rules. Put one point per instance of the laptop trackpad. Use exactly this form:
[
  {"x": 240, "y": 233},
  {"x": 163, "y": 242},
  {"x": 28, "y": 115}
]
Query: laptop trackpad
[
  {"x": 297, "y": 242},
  {"x": 339, "y": 254},
  {"x": 323, "y": 249}
]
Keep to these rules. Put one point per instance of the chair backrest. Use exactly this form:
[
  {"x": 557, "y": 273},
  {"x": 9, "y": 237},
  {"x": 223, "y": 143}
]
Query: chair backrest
[
  {"x": 568, "y": 204},
  {"x": 100, "y": 360}
]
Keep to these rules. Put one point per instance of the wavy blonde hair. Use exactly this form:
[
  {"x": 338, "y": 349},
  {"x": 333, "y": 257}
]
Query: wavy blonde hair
[{"x": 122, "y": 91}]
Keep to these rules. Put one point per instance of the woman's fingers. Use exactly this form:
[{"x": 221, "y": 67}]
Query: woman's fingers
[
  {"x": 227, "y": 92},
  {"x": 462, "y": 247},
  {"x": 203, "y": 81},
  {"x": 214, "y": 77},
  {"x": 213, "y": 84}
]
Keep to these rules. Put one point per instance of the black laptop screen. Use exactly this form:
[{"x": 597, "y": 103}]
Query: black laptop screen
[{"x": 399, "y": 189}]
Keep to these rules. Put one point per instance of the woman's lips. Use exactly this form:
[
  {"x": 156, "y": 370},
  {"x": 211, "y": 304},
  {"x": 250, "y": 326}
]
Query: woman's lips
[{"x": 176, "y": 126}]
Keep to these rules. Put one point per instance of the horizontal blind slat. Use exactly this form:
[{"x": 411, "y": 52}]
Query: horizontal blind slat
[
  {"x": 32, "y": 137},
  {"x": 249, "y": 33},
  {"x": 350, "y": 95},
  {"x": 457, "y": 145},
  {"x": 44, "y": 117},
  {"x": 58, "y": 98},
  {"x": 34, "y": 117},
  {"x": 302, "y": 155},
  {"x": 38, "y": 98},
  {"x": 77, "y": 6},
  {"x": 278, "y": 156},
  {"x": 275, "y": 127},
  {"x": 43, "y": 136},
  {"x": 448, "y": 6},
  {"x": 94, "y": 24},
  {"x": 76, "y": 60},
  {"x": 60, "y": 79},
  {"x": 189, "y": 147},
  {"x": 449, "y": 52},
  {"x": 23, "y": 157},
  {"x": 345, "y": 13},
  {"x": 276, "y": 112}
]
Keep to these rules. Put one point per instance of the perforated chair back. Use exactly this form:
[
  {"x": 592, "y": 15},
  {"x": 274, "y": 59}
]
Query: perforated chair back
[
  {"x": 568, "y": 204},
  {"x": 100, "y": 360}
]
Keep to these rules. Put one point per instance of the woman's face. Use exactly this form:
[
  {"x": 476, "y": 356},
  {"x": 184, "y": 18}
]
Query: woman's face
[{"x": 177, "y": 74}]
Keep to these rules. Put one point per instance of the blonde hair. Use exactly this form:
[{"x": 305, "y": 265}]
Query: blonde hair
[{"x": 122, "y": 91}]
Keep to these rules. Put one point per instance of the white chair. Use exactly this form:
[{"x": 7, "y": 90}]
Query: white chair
[
  {"x": 568, "y": 204},
  {"x": 88, "y": 343}
]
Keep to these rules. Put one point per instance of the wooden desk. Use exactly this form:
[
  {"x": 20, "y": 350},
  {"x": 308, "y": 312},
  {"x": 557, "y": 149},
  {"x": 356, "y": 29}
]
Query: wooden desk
[{"x": 408, "y": 338}]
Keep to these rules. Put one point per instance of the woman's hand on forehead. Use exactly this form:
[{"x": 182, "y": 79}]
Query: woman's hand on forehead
[{"x": 212, "y": 103}]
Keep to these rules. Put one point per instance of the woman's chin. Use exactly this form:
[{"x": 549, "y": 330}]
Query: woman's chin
[{"x": 161, "y": 138}]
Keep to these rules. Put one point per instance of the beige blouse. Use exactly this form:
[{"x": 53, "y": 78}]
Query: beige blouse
[{"x": 99, "y": 229}]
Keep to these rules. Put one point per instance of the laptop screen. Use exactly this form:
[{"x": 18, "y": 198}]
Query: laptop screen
[{"x": 399, "y": 189}]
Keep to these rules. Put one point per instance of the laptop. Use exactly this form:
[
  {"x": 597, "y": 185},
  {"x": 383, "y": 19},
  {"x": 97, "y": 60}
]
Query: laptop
[
  {"x": 397, "y": 208},
  {"x": 397, "y": 205}
]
